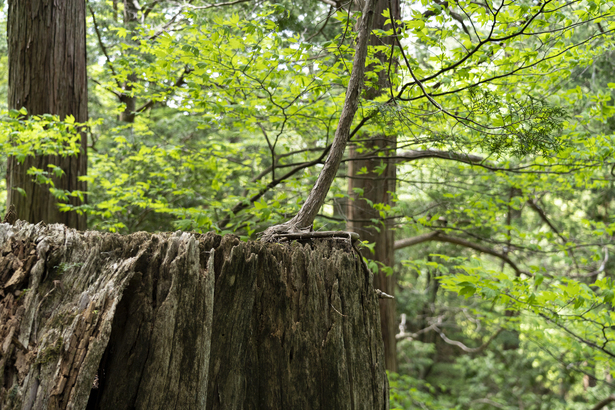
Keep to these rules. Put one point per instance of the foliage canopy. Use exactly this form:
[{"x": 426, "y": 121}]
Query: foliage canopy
[{"x": 505, "y": 125}]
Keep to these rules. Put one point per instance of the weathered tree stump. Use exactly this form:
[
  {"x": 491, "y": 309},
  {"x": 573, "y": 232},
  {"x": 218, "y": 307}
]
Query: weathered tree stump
[{"x": 92, "y": 320}]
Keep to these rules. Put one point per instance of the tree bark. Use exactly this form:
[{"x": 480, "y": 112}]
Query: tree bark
[
  {"x": 47, "y": 75},
  {"x": 94, "y": 320},
  {"x": 378, "y": 189}
]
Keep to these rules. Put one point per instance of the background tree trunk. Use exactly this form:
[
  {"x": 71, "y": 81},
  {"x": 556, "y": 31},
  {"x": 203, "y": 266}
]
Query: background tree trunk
[
  {"x": 377, "y": 189},
  {"x": 102, "y": 321},
  {"x": 47, "y": 75}
]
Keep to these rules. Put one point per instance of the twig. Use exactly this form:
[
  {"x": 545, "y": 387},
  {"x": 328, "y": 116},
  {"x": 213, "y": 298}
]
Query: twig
[{"x": 464, "y": 347}]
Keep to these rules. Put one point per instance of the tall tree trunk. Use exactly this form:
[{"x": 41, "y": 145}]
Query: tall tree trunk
[
  {"x": 374, "y": 188},
  {"x": 47, "y": 75},
  {"x": 181, "y": 321}
]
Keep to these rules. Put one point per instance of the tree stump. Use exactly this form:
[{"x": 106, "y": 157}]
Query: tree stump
[{"x": 92, "y": 320}]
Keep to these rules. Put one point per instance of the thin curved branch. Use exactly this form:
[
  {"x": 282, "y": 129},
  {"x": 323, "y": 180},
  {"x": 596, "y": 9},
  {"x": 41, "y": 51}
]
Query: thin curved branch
[
  {"x": 178, "y": 83},
  {"x": 440, "y": 237},
  {"x": 431, "y": 153},
  {"x": 103, "y": 48},
  {"x": 464, "y": 347},
  {"x": 305, "y": 217},
  {"x": 240, "y": 206},
  {"x": 213, "y": 5},
  {"x": 542, "y": 214},
  {"x": 329, "y": 14},
  {"x": 574, "y": 335},
  {"x": 604, "y": 402}
]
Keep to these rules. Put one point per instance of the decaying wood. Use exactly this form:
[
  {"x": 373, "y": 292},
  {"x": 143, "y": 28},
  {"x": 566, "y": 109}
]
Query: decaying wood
[
  {"x": 92, "y": 320},
  {"x": 76, "y": 306},
  {"x": 11, "y": 215}
]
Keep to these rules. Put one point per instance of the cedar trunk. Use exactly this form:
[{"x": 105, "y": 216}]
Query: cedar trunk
[
  {"x": 47, "y": 75},
  {"x": 377, "y": 188},
  {"x": 183, "y": 321}
]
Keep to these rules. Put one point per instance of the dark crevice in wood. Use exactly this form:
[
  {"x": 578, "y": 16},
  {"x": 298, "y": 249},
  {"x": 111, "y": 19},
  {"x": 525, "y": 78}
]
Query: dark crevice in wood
[{"x": 138, "y": 315}]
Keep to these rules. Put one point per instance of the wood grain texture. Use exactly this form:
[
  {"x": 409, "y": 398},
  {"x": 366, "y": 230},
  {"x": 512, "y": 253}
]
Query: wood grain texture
[{"x": 92, "y": 320}]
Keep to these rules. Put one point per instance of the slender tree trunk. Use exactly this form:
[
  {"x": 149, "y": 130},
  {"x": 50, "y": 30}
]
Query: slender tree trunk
[
  {"x": 316, "y": 198},
  {"x": 47, "y": 74},
  {"x": 374, "y": 188},
  {"x": 181, "y": 321}
]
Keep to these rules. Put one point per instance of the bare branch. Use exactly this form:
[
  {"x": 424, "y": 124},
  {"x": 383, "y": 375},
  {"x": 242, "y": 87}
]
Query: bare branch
[
  {"x": 240, "y": 206},
  {"x": 466, "y": 348},
  {"x": 406, "y": 335},
  {"x": 415, "y": 240},
  {"x": 430, "y": 153}
]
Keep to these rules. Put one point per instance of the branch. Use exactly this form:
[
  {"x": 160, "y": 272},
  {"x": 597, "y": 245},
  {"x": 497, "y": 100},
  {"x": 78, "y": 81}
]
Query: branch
[
  {"x": 415, "y": 240},
  {"x": 240, "y": 206},
  {"x": 534, "y": 205},
  {"x": 118, "y": 95},
  {"x": 440, "y": 237},
  {"x": 406, "y": 335},
  {"x": 166, "y": 26},
  {"x": 464, "y": 347},
  {"x": 541, "y": 213},
  {"x": 470, "y": 53},
  {"x": 329, "y": 14},
  {"x": 454, "y": 15},
  {"x": 150, "y": 7},
  {"x": 431, "y": 153},
  {"x": 574, "y": 335},
  {"x": 178, "y": 83},
  {"x": 602, "y": 403},
  {"x": 104, "y": 49},
  {"x": 209, "y": 6}
]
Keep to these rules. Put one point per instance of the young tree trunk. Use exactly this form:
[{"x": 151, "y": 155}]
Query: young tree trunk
[
  {"x": 181, "y": 321},
  {"x": 378, "y": 188},
  {"x": 47, "y": 75},
  {"x": 305, "y": 217}
]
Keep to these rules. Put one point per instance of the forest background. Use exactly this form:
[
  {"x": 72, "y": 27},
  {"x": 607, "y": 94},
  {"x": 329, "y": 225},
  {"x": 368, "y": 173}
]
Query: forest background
[{"x": 479, "y": 172}]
